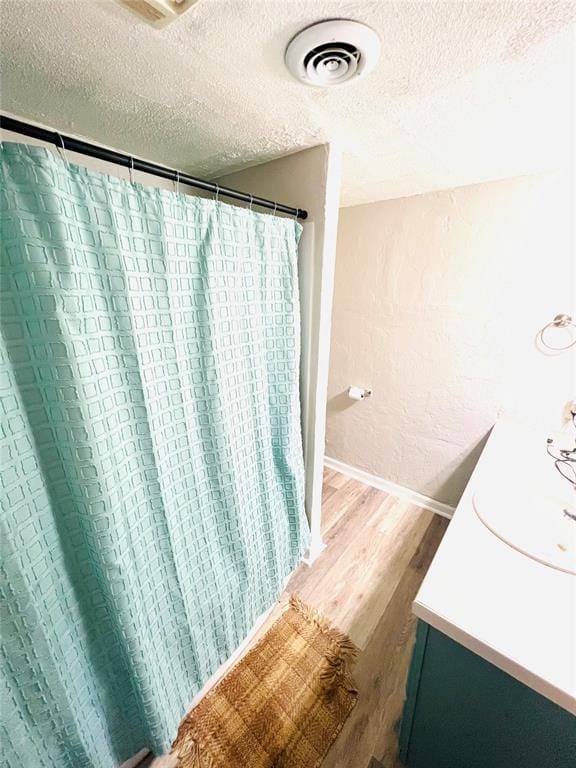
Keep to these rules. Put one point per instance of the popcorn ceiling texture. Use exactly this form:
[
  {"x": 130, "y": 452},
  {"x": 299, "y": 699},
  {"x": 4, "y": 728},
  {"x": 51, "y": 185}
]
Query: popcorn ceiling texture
[
  {"x": 437, "y": 302},
  {"x": 465, "y": 91}
]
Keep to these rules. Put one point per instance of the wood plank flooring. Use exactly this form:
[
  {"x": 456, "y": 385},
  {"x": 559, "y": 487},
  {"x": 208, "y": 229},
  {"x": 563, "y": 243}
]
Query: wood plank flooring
[{"x": 378, "y": 549}]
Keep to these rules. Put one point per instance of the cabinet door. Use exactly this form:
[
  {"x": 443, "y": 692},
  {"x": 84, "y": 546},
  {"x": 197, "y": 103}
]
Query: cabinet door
[{"x": 463, "y": 712}]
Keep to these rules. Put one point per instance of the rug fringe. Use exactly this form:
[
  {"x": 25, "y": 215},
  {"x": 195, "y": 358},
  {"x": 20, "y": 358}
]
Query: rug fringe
[
  {"x": 343, "y": 654},
  {"x": 189, "y": 746},
  {"x": 190, "y": 755}
]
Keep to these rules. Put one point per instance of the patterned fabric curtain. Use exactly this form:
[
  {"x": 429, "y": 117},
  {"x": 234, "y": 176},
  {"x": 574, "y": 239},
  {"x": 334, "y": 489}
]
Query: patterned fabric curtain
[{"x": 152, "y": 474}]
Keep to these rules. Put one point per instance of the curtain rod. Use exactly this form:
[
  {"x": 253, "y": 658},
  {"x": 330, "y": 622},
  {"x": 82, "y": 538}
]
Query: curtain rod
[{"x": 93, "y": 150}]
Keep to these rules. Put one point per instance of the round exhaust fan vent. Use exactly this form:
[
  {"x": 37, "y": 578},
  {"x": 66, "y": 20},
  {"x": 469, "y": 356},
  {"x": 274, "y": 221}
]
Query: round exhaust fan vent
[{"x": 332, "y": 52}]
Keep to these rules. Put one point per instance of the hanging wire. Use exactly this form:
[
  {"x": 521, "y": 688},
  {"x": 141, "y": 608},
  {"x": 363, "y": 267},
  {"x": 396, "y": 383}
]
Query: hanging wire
[{"x": 564, "y": 460}]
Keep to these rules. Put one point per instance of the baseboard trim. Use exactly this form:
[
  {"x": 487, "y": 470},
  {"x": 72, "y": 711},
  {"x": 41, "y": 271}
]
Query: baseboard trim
[{"x": 439, "y": 507}]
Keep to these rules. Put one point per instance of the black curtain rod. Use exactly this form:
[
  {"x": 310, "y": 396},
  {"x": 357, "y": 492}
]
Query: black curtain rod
[{"x": 92, "y": 150}]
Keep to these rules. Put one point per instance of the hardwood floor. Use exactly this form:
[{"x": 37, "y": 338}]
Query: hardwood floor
[{"x": 378, "y": 549}]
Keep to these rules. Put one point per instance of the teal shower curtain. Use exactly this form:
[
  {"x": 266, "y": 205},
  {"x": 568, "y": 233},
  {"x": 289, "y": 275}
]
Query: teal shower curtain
[{"x": 151, "y": 458}]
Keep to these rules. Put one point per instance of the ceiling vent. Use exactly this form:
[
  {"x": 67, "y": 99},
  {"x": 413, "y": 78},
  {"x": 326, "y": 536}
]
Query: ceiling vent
[
  {"x": 332, "y": 52},
  {"x": 158, "y": 13}
]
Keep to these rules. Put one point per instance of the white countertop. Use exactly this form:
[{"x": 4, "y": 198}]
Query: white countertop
[{"x": 515, "y": 612}]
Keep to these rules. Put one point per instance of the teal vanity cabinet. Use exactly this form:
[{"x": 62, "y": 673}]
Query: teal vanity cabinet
[{"x": 463, "y": 712}]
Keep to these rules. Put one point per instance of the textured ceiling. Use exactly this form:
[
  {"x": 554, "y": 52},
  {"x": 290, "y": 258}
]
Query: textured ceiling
[{"x": 464, "y": 92}]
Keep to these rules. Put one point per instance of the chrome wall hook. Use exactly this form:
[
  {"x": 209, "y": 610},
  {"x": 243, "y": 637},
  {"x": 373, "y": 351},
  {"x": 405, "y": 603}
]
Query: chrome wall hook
[{"x": 562, "y": 321}]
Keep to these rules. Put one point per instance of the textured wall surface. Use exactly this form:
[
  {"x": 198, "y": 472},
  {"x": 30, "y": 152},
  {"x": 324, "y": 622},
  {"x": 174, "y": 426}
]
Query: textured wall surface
[
  {"x": 462, "y": 93},
  {"x": 437, "y": 302}
]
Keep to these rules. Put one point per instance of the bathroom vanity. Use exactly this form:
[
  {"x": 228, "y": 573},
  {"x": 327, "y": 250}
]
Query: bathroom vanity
[{"x": 492, "y": 682}]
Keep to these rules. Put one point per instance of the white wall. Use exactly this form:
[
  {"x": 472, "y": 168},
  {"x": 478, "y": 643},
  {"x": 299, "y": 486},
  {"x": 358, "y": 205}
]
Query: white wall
[
  {"x": 311, "y": 180},
  {"x": 437, "y": 302}
]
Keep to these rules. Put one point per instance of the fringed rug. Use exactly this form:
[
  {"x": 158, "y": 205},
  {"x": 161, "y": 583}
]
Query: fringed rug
[{"x": 281, "y": 706}]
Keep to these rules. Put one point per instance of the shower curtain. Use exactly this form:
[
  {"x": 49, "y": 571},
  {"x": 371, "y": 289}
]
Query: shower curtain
[{"x": 152, "y": 474}]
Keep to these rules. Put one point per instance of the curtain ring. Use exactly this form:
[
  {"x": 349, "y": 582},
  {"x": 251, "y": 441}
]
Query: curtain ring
[
  {"x": 62, "y": 149},
  {"x": 177, "y": 182},
  {"x": 217, "y": 192},
  {"x": 275, "y": 206},
  {"x": 131, "y": 170},
  {"x": 251, "y": 201}
]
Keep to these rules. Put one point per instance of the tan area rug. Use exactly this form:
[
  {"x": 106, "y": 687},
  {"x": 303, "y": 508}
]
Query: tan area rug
[{"x": 281, "y": 706}]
